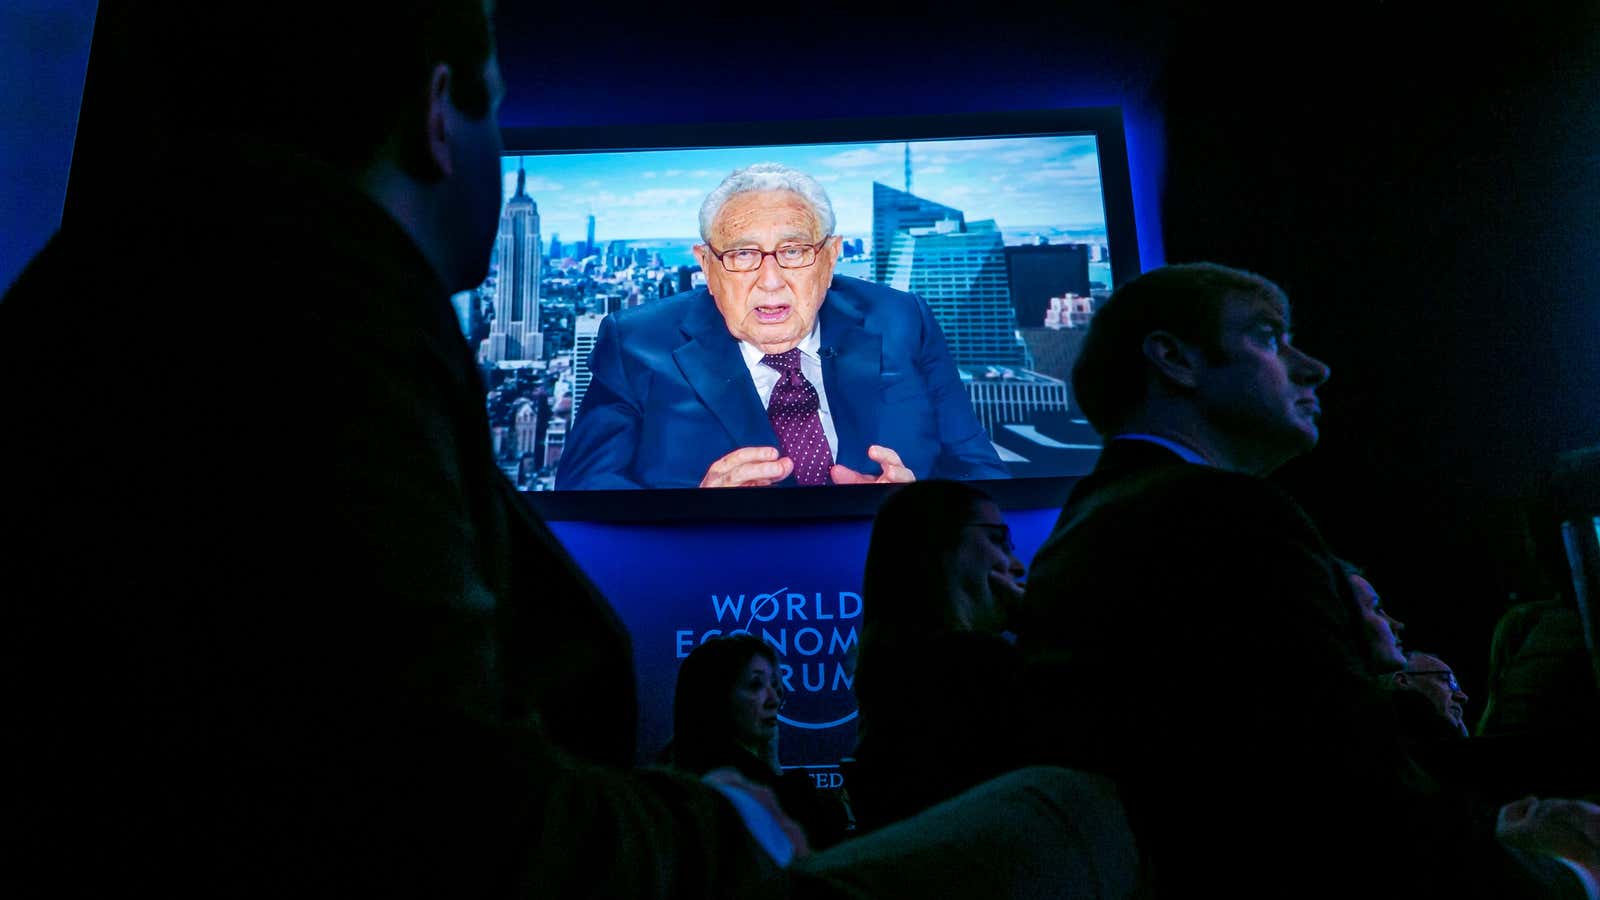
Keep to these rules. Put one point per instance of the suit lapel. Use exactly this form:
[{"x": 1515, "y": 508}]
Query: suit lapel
[
  {"x": 851, "y": 375},
  {"x": 711, "y": 364}
]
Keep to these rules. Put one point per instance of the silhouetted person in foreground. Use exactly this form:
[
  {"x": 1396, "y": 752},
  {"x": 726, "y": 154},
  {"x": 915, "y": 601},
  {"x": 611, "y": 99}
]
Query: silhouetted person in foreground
[
  {"x": 305, "y": 646},
  {"x": 1193, "y": 637},
  {"x": 939, "y": 687}
]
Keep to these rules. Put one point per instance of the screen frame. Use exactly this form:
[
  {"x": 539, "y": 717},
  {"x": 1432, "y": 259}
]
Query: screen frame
[
  {"x": 1104, "y": 123},
  {"x": 831, "y": 501}
]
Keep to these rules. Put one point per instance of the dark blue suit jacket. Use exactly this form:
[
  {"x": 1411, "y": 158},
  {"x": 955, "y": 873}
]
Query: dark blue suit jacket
[{"x": 671, "y": 394}]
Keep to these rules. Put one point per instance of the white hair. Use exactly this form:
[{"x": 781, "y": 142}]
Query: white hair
[{"x": 767, "y": 177}]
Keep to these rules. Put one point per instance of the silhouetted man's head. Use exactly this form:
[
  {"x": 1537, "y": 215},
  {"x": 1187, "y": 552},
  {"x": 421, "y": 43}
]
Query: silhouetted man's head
[
  {"x": 407, "y": 89},
  {"x": 1202, "y": 352},
  {"x": 333, "y": 80},
  {"x": 1429, "y": 676}
]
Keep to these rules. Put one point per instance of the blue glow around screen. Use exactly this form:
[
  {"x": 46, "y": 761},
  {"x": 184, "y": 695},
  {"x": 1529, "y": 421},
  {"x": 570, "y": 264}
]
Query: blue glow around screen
[{"x": 1017, "y": 224}]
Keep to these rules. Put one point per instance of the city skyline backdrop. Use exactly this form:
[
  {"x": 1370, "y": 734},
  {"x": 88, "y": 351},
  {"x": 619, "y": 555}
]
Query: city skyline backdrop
[{"x": 1027, "y": 185}]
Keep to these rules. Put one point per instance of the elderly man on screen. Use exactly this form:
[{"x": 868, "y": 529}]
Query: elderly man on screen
[{"x": 776, "y": 372}]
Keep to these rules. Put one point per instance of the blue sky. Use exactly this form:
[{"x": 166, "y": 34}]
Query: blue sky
[{"x": 1028, "y": 181}]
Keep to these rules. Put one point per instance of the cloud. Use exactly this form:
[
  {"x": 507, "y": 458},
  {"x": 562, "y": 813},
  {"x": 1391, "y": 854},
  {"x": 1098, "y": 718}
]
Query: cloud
[
  {"x": 648, "y": 198},
  {"x": 1080, "y": 171},
  {"x": 1022, "y": 157},
  {"x": 861, "y": 157},
  {"x": 1010, "y": 151},
  {"x": 535, "y": 185}
]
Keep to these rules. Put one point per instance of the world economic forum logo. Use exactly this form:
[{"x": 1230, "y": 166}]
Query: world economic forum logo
[{"x": 813, "y": 633}]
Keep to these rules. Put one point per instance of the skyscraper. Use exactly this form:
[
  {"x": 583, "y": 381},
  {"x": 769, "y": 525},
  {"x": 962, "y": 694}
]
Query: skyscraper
[
  {"x": 1038, "y": 272},
  {"x": 555, "y": 245},
  {"x": 961, "y": 271},
  {"x": 617, "y": 255},
  {"x": 588, "y": 246},
  {"x": 514, "y": 334},
  {"x": 893, "y": 211},
  {"x": 585, "y": 328}
]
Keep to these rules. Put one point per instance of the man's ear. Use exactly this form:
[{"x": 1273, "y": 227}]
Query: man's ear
[
  {"x": 438, "y": 120},
  {"x": 1401, "y": 680},
  {"x": 1177, "y": 360}
]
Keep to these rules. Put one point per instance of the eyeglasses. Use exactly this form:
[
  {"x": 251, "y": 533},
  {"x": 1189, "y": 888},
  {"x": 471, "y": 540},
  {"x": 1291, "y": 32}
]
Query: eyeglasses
[
  {"x": 1000, "y": 533},
  {"x": 749, "y": 259},
  {"x": 1435, "y": 673}
]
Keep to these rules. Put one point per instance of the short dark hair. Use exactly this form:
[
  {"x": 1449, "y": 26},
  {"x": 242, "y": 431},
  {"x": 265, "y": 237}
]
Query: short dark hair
[
  {"x": 331, "y": 79},
  {"x": 1108, "y": 379}
]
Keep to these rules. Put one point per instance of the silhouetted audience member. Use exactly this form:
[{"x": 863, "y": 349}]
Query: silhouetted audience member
[
  {"x": 1540, "y": 728},
  {"x": 1540, "y": 723},
  {"x": 1427, "y": 676},
  {"x": 1418, "y": 717},
  {"x": 313, "y": 643},
  {"x": 1539, "y": 679},
  {"x": 938, "y": 687},
  {"x": 1428, "y": 705},
  {"x": 725, "y": 715},
  {"x": 1381, "y": 631},
  {"x": 1177, "y": 573}
]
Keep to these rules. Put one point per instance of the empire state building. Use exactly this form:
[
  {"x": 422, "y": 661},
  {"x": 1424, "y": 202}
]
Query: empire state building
[{"x": 514, "y": 334}]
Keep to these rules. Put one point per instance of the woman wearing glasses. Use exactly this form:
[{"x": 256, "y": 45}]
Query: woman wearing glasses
[{"x": 937, "y": 683}]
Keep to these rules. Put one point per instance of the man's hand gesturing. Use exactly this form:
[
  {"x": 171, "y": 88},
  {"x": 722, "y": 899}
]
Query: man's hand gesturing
[{"x": 748, "y": 467}]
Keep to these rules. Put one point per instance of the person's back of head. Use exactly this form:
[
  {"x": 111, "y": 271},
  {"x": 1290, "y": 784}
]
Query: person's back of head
[
  {"x": 206, "y": 101},
  {"x": 1110, "y": 376},
  {"x": 333, "y": 81}
]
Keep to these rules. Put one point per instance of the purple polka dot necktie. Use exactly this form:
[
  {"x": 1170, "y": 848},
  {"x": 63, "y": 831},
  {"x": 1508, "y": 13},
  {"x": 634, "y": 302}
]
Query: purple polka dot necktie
[{"x": 793, "y": 411}]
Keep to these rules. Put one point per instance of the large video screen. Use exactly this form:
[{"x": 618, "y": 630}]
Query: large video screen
[{"x": 1009, "y": 228}]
